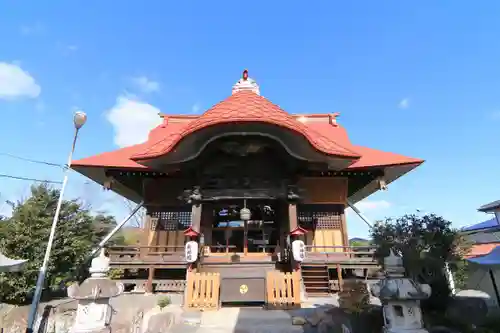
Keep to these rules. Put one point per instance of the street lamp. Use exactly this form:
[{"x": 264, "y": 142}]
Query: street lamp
[{"x": 79, "y": 120}]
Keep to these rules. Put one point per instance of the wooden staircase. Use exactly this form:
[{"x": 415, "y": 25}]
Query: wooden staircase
[{"x": 316, "y": 280}]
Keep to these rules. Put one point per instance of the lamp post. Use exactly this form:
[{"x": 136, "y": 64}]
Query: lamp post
[{"x": 79, "y": 120}]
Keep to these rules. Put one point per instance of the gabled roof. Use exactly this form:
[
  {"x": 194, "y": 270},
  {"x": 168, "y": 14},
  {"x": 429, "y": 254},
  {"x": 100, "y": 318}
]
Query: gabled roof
[{"x": 490, "y": 207}]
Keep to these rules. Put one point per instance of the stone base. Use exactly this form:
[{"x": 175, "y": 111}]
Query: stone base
[
  {"x": 138, "y": 290},
  {"x": 161, "y": 320},
  {"x": 103, "y": 330},
  {"x": 303, "y": 293}
]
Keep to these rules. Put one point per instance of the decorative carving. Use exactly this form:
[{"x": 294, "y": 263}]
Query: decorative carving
[
  {"x": 191, "y": 196},
  {"x": 294, "y": 193},
  {"x": 246, "y": 83},
  {"x": 195, "y": 196},
  {"x": 154, "y": 223}
]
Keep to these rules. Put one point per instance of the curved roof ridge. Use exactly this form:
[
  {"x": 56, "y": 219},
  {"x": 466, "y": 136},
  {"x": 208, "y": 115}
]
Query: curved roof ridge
[{"x": 246, "y": 106}]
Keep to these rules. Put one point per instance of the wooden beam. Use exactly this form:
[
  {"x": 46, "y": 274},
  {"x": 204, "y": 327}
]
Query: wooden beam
[
  {"x": 345, "y": 236},
  {"x": 151, "y": 274},
  {"x": 196, "y": 217},
  {"x": 292, "y": 216},
  {"x": 146, "y": 236},
  {"x": 339, "y": 277},
  {"x": 245, "y": 238}
]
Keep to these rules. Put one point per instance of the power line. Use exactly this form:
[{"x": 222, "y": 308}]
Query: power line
[
  {"x": 30, "y": 179},
  {"x": 32, "y": 160}
]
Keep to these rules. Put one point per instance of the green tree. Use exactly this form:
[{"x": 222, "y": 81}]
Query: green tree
[
  {"x": 103, "y": 224},
  {"x": 25, "y": 235},
  {"x": 426, "y": 243}
]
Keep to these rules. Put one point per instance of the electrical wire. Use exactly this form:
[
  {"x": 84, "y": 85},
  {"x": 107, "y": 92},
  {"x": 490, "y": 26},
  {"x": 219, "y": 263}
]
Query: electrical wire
[
  {"x": 32, "y": 160},
  {"x": 30, "y": 179}
]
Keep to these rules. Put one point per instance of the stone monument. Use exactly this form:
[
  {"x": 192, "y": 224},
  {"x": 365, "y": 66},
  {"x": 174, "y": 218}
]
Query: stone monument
[
  {"x": 93, "y": 295},
  {"x": 400, "y": 297}
]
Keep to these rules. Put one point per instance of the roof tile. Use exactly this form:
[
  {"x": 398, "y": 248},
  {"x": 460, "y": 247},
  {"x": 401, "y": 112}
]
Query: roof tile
[{"x": 246, "y": 106}]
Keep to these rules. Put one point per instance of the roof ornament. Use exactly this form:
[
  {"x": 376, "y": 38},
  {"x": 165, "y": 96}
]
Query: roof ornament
[{"x": 246, "y": 83}]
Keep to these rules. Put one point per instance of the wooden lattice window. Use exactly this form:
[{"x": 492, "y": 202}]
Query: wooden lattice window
[
  {"x": 312, "y": 217},
  {"x": 172, "y": 219}
]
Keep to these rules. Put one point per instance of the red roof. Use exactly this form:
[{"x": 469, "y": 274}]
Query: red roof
[
  {"x": 245, "y": 106},
  {"x": 481, "y": 249}
]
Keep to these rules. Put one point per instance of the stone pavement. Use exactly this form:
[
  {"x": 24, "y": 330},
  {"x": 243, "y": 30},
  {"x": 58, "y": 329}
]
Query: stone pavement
[
  {"x": 252, "y": 320},
  {"x": 238, "y": 320}
]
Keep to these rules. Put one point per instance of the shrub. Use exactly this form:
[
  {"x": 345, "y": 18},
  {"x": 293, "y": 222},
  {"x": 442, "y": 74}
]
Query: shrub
[
  {"x": 116, "y": 273},
  {"x": 354, "y": 297},
  {"x": 163, "y": 302}
]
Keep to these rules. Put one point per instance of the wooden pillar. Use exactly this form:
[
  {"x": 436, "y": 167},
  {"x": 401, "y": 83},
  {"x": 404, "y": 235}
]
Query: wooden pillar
[
  {"x": 196, "y": 217},
  {"x": 345, "y": 237},
  {"x": 245, "y": 238},
  {"x": 292, "y": 216},
  {"x": 226, "y": 237},
  {"x": 151, "y": 275},
  {"x": 339, "y": 277},
  {"x": 144, "y": 250}
]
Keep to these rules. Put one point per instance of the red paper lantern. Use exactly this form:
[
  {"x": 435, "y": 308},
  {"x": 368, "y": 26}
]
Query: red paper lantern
[
  {"x": 298, "y": 231},
  {"x": 191, "y": 233}
]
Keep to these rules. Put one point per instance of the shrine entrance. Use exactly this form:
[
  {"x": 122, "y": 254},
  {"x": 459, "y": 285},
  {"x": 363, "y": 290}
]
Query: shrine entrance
[{"x": 259, "y": 235}]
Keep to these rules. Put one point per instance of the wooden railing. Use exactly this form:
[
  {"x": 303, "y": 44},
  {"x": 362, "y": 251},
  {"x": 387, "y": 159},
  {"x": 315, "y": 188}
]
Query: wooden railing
[
  {"x": 203, "y": 291},
  {"x": 282, "y": 290},
  {"x": 129, "y": 254},
  {"x": 352, "y": 254},
  {"x": 231, "y": 249},
  {"x": 219, "y": 249}
]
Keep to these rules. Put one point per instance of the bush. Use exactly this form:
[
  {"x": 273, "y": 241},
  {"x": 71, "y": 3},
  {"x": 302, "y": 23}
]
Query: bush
[
  {"x": 426, "y": 243},
  {"x": 163, "y": 302},
  {"x": 116, "y": 273},
  {"x": 354, "y": 297}
]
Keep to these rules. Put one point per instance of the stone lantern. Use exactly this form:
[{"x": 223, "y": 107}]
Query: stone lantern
[
  {"x": 93, "y": 296},
  {"x": 400, "y": 297}
]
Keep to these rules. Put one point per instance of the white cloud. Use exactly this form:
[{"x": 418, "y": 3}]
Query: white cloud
[
  {"x": 373, "y": 205},
  {"x": 195, "y": 108},
  {"x": 404, "y": 103},
  {"x": 132, "y": 120},
  {"x": 145, "y": 85},
  {"x": 16, "y": 83}
]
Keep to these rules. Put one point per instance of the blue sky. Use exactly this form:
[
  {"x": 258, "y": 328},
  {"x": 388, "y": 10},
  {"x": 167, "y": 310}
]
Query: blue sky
[{"x": 420, "y": 78}]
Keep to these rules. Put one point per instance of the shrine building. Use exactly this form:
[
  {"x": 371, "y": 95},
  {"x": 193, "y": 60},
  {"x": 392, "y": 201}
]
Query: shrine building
[{"x": 243, "y": 180}]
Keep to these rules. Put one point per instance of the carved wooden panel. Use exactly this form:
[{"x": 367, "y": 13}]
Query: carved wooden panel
[{"x": 324, "y": 190}]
